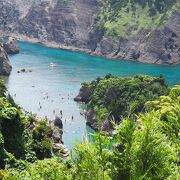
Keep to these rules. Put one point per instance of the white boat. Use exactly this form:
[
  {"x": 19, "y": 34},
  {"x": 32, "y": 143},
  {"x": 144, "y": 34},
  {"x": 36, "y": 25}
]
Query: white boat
[{"x": 52, "y": 65}]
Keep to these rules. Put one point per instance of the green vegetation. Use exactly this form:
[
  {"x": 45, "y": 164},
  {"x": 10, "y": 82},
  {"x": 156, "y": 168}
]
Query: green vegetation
[
  {"x": 120, "y": 97},
  {"x": 147, "y": 148},
  {"x": 126, "y": 17},
  {"x": 42, "y": 144},
  {"x": 17, "y": 140}
]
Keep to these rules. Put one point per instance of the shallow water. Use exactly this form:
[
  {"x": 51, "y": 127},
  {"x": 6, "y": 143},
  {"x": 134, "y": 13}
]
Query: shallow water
[{"x": 61, "y": 83}]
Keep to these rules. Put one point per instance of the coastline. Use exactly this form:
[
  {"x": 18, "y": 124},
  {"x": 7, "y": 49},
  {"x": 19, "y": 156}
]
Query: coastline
[
  {"x": 54, "y": 45},
  {"x": 50, "y": 44}
]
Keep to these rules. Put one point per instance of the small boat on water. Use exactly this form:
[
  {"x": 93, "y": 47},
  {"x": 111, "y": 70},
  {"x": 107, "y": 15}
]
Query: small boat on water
[{"x": 52, "y": 65}]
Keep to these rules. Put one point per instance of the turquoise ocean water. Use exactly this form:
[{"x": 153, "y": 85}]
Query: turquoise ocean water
[{"x": 62, "y": 82}]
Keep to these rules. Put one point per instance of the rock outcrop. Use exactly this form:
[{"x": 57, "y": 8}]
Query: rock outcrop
[
  {"x": 84, "y": 94},
  {"x": 58, "y": 146},
  {"x": 91, "y": 117},
  {"x": 57, "y": 130},
  {"x": 74, "y": 24},
  {"x": 11, "y": 46},
  {"x": 5, "y": 67},
  {"x": 92, "y": 121}
]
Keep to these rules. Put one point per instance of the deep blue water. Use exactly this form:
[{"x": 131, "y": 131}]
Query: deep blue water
[{"x": 62, "y": 83}]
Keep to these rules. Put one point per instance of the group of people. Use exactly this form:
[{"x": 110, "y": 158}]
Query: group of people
[{"x": 59, "y": 113}]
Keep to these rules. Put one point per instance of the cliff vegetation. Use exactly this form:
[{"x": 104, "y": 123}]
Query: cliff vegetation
[
  {"x": 127, "y": 17},
  {"x": 119, "y": 97}
]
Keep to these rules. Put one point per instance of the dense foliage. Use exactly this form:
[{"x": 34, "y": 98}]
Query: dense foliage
[
  {"x": 121, "y": 97},
  {"x": 126, "y": 17},
  {"x": 42, "y": 143},
  {"x": 146, "y": 149}
]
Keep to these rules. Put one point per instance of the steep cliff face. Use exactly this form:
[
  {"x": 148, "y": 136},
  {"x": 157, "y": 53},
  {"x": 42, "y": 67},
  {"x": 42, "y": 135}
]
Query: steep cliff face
[
  {"x": 5, "y": 67},
  {"x": 70, "y": 23},
  {"x": 9, "y": 16},
  {"x": 75, "y": 23},
  {"x": 159, "y": 46}
]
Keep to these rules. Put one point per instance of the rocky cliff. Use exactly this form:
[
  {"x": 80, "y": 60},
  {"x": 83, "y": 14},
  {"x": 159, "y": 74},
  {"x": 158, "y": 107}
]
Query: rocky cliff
[
  {"x": 5, "y": 67},
  {"x": 11, "y": 46},
  {"x": 70, "y": 23},
  {"x": 159, "y": 46},
  {"x": 75, "y": 23}
]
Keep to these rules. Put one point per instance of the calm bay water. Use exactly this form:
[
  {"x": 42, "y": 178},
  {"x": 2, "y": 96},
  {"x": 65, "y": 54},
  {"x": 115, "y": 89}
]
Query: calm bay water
[{"x": 62, "y": 83}]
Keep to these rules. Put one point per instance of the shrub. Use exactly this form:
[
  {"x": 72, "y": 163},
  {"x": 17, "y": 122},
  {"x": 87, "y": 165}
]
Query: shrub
[{"x": 42, "y": 143}]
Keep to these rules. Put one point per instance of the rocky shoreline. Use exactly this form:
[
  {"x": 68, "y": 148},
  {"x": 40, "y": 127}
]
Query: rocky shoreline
[
  {"x": 55, "y": 45},
  {"x": 46, "y": 43},
  {"x": 58, "y": 144},
  {"x": 90, "y": 115},
  {"x": 74, "y": 25},
  {"x": 11, "y": 46},
  {"x": 8, "y": 47},
  {"x": 5, "y": 66},
  {"x": 56, "y": 126}
]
